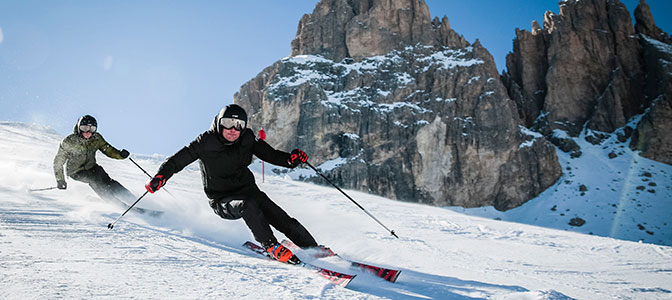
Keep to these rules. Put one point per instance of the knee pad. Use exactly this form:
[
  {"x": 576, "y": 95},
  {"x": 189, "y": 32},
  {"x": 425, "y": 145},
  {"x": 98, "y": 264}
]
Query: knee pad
[{"x": 230, "y": 208}]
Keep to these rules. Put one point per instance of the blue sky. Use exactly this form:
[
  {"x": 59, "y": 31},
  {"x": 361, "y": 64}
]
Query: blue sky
[{"x": 154, "y": 73}]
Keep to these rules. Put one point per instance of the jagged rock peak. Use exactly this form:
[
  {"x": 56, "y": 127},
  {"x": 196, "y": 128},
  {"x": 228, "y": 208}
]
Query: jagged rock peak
[
  {"x": 587, "y": 70},
  {"x": 338, "y": 29},
  {"x": 570, "y": 68},
  {"x": 646, "y": 25},
  {"x": 536, "y": 29}
]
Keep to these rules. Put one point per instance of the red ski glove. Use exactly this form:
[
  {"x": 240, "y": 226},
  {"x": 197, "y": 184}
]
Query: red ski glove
[
  {"x": 155, "y": 183},
  {"x": 296, "y": 157}
]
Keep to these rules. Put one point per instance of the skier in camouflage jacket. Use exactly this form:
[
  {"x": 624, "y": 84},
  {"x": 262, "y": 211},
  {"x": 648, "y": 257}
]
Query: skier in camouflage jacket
[{"x": 78, "y": 152}]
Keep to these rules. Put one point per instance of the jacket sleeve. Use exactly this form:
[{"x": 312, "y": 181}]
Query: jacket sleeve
[
  {"x": 181, "y": 159},
  {"x": 59, "y": 160},
  {"x": 265, "y": 152},
  {"x": 108, "y": 150}
]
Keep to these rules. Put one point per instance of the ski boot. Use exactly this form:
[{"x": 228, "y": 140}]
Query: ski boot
[{"x": 281, "y": 253}]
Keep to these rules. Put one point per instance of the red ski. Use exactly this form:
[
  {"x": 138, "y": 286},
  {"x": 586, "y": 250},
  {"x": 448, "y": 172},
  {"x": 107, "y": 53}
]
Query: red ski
[
  {"x": 337, "y": 278},
  {"x": 388, "y": 274}
]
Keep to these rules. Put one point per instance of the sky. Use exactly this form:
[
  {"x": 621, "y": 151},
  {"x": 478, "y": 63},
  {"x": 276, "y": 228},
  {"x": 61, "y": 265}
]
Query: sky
[{"x": 155, "y": 73}]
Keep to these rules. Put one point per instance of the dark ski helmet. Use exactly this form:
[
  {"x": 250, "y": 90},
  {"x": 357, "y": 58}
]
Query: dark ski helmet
[
  {"x": 86, "y": 120},
  {"x": 232, "y": 111},
  {"x": 235, "y": 111}
]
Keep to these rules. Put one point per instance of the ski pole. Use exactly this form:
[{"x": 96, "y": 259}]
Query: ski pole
[
  {"x": 150, "y": 176},
  {"x": 353, "y": 201},
  {"x": 111, "y": 225},
  {"x": 43, "y": 189},
  {"x": 143, "y": 170}
]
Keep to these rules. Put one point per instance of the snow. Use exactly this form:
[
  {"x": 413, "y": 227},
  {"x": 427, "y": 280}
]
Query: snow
[
  {"x": 451, "y": 58},
  {"x": 369, "y": 64},
  {"x": 305, "y": 59},
  {"x": 662, "y": 47},
  {"x": 626, "y": 197},
  {"x": 561, "y": 134},
  {"x": 404, "y": 79},
  {"x": 658, "y": 44},
  {"x": 301, "y": 77},
  {"x": 322, "y": 72},
  {"x": 528, "y": 132},
  {"x": 468, "y": 121},
  {"x": 332, "y": 164},
  {"x": 352, "y": 136},
  {"x": 340, "y": 99},
  {"x": 55, "y": 244},
  {"x": 472, "y": 79},
  {"x": 388, "y": 107},
  {"x": 383, "y": 93}
]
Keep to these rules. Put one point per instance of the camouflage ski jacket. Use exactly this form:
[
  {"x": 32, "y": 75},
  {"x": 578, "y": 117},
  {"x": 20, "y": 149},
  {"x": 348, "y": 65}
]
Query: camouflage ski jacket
[{"x": 79, "y": 153}]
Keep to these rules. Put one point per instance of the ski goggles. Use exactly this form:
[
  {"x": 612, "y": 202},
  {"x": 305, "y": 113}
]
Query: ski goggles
[
  {"x": 88, "y": 128},
  {"x": 231, "y": 123}
]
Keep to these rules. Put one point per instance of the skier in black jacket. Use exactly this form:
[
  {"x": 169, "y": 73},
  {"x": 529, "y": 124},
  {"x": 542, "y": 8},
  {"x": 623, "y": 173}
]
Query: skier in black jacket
[{"x": 224, "y": 152}]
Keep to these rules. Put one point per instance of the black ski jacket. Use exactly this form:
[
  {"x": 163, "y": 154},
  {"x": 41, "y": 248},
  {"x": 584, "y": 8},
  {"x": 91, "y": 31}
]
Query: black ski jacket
[{"x": 224, "y": 164}]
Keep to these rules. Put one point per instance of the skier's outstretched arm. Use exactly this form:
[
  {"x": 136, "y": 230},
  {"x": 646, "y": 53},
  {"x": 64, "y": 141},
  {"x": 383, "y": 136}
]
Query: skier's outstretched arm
[
  {"x": 265, "y": 152},
  {"x": 279, "y": 158},
  {"x": 110, "y": 151},
  {"x": 174, "y": 164}
]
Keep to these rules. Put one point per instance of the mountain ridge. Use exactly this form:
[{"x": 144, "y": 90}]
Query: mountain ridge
[{"x": 451, "y": 135}]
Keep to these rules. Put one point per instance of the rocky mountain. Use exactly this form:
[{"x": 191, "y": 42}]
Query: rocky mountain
[
  {"x": 589, "y": 70},
  {"x": 339, "y": 29},
  {"x": 388, "y": 101}
]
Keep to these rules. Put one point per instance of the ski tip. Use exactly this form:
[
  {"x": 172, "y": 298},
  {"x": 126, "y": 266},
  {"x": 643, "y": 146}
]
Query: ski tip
[
  {"x": 393, "y": 279},
  {"x": 337, "y": 278},
  {"x": 344, "y": 282}
]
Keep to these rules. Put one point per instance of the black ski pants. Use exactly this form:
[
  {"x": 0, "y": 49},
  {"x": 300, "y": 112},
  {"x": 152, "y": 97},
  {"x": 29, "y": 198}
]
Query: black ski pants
[
  {"x": 260, "y": 213},
  {"x": 106, "y": 187}
]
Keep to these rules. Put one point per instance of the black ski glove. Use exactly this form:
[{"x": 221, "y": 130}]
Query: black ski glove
[
  {"x": 155, "y": 183},
  {"x": 124, "y": 153},
  {"x": 61, "y": 184},
  {"x": 296, "y": 157}
]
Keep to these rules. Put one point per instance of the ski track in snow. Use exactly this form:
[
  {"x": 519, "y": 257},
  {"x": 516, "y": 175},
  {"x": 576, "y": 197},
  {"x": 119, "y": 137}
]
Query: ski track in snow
[{"x": 55, "y": 244}]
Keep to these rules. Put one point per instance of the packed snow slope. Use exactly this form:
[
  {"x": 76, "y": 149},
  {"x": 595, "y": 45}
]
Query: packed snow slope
[
  {"x": 608, "y": 191},
  {"x": 55, "y": 244}
]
